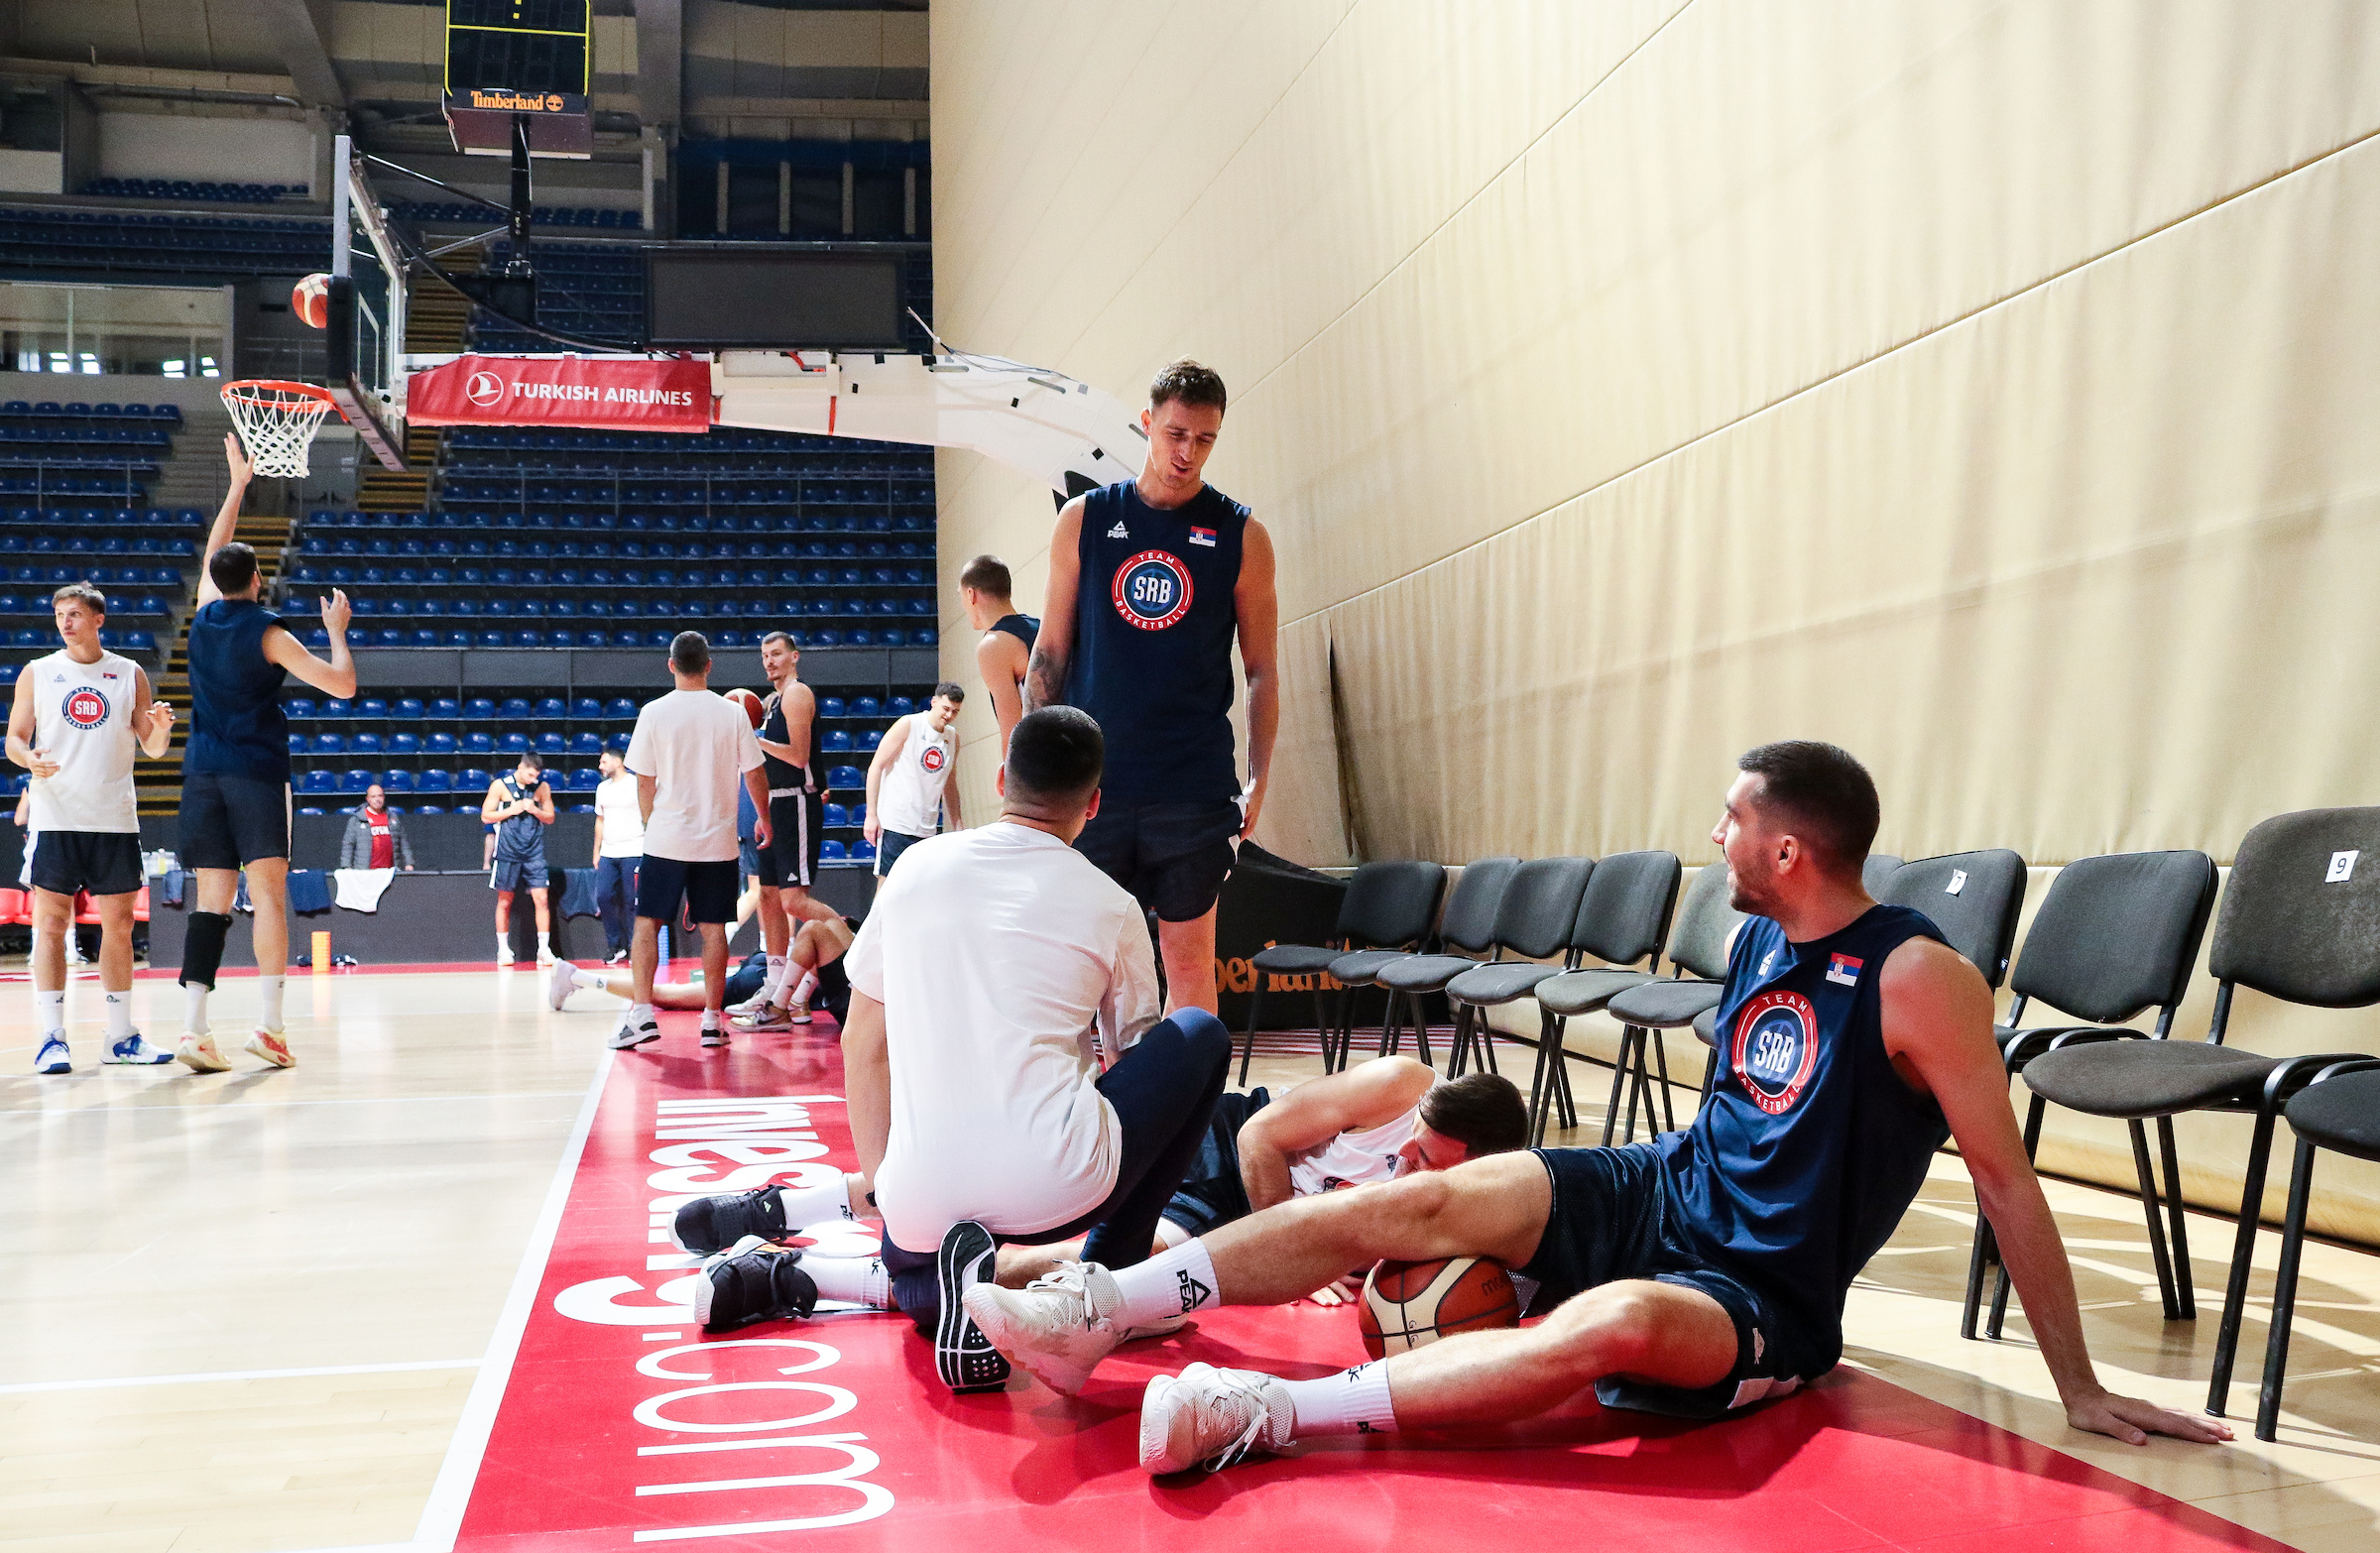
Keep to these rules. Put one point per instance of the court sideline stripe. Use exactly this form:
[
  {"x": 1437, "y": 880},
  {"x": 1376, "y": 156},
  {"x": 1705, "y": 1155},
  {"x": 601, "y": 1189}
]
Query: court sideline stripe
[
  {"x": 21, "y": 1386},
  {"x": 244, "y": 1105},
  {"x": 443, "y": 1516}
]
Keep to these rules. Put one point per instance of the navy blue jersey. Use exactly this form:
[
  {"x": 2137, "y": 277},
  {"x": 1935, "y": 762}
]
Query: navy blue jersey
[
  {"x": 1154, "y": 619},
  {"x": 781, "y": 774},
  {"x": 1022, "y": 626},
  {"x": 237, "y": 728},
  {"x": 1811, "y": 1146},
  {"x": 522, "y": 838}
]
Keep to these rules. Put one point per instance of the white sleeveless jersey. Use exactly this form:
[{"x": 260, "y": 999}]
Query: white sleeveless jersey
[
  {"x": 82, "y": 720},
  {"x": 1352, "y": 1158},
  {"x": 910, "y": 798}
]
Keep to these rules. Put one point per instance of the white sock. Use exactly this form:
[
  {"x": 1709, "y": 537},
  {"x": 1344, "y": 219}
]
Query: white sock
[
  {"x": 53, "y": 1006},
  {"x": 640, "y": 1015},
  {"x": 808, "y": 1205},
  {"x": 1352, "y": 1402},
  {"x": 710, "y": 1018},
  {"x": 857, "y": 1280},
  {"x": 581, "y": 977},
  {"x": 1170, "y": 1283},
  {"x": 119, "y": 1016},
  {"x": 544, "y": 942},
  {"x": 274, "y": 986},
  {"x": 775, "y": 982},
  {"x": 194, "y": 1007},
  {"x": 503, "y": 945},
  {"x": 801, "y": 992}
]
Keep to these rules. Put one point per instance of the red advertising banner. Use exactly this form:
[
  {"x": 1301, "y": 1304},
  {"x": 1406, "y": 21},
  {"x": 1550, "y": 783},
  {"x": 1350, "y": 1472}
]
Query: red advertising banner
[{"x": 596, "y": 393}]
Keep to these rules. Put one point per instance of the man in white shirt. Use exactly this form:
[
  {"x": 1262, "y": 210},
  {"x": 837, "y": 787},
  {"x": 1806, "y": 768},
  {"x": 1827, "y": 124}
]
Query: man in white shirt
[
  {"x": 909, "y": 782},
  {"x": 688, "y": 751},
  {"x": 619, "y": 848},
  {"x": 977, "y": 1099}
]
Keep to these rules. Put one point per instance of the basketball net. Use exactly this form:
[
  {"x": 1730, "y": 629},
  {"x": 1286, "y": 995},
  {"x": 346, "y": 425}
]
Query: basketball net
[{"x": 276, "y": 422}]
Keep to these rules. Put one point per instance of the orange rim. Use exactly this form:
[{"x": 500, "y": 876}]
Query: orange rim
[{"x": 235, "y": 391}]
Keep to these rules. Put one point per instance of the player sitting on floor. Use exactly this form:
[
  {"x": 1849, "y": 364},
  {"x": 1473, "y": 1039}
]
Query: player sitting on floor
[
  {"x": 977, "y": 1106},
  {"x": 1690, "y": 1275},
  {"x": 813, "y": 953}
]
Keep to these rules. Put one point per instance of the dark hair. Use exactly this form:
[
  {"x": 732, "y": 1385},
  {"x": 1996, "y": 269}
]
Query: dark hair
[
  {"x": 792, "y": 646},
  {"x": 82, "y": 593},
  {"x": 1823, "y": 793},
  {"x": 690, "y": 652},
  {"x": 1483, "y": 1111},
  {"x": 1055, "y": 756},
  {"x": 232, "y": 568},
  {"x": 947, "y": 692},
  {"x": 987, "y": 574},
  {"x": 1189, "y": 382},
  {"x": 529, "y": 758}
]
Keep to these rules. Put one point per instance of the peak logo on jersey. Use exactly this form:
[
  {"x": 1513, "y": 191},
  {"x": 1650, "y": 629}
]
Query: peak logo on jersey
[
  {"x": 1776, "y": 1050},
  {"x": 1120, "y": 532},
  {"x": 931, "y": 759},
  {"x": 1151, "y": 590},
  {"x": 85, "y": 708}
]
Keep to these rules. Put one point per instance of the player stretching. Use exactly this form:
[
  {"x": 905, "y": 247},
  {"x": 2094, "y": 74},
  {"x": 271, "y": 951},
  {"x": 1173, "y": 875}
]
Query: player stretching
[
  {"x": 1007, "y": 641},
  {"x": 235, "y": 773},
  {"x": 77, "y": 714},
  {"x": 1149, "y": 579},
  {"x": 520, "y": 806},
  {"x": 796, "y": 825},
  {"x": 909, "y": 782},
  {"x": 1691, "y": 1274}
]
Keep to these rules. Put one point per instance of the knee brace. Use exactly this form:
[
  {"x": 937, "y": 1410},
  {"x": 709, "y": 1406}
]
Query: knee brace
[{"x": 202, "y": 949}]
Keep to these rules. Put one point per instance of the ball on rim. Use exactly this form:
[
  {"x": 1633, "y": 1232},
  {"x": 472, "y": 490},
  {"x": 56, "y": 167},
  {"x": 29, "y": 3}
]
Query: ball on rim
[
  {"x": 310, "y": 299},
  {"x": 1407, "y": 1304},
  {"x": 748, "y": 701}
]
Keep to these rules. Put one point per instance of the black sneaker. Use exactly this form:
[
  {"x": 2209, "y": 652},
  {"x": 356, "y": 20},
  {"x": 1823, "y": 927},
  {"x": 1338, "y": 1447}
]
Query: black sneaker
[
  {"x": 963, "y": 1356},
  {"x": 753, "y": 1282},
  {"x": 712, "y": 1224}
]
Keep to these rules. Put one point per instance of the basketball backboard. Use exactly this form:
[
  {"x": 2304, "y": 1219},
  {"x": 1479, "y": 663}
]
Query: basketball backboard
[{"x": 367, "y": 312}]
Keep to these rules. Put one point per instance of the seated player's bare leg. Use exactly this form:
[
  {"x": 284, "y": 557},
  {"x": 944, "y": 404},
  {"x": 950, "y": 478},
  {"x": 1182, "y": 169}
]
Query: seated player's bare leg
[{"x": 1188, "y": 949}]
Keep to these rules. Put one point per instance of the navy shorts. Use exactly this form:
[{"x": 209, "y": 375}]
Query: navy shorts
[
  {"x": 796, "y": 832},
  {"x": 1172, "y": 857},
  {"x": 232, "y": 821},
  {"x": 753, "y": 863},
  {"x": 708, "y": 890},
  {"x": 889, "y": 845},
  {"x": 1214, "y": 1194},
  {"x": 103, "y": 862},
  {"x": 511, "y": 874},
  {"x": 1610, "y": 1220}
]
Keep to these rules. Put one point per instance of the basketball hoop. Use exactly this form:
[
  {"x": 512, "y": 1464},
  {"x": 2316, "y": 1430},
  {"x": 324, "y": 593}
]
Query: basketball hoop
[{"x": 277, "y": 423}]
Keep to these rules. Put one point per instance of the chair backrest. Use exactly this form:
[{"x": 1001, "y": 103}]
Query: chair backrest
[
  {"x": 1973, "y": 896},
  {"x": 1699, "y": 946},
  {"x": 1391, "y": 904},
  {"x": 1624, "y": 915},
  {"x": 1533, "y": 918},
  {"x": 2301, "y": 919},
  {"x": 1879, "y": 866},
  {"x": 1469, "y": 921},
  {"x": 2118, "y": 935}
]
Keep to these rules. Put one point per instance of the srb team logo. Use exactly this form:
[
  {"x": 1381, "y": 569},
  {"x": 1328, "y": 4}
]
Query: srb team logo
[
  {"x": 85, "y": 708},
  {"x": 931, "y": 759},
  {"x": 1153, "y": 590},
  {"x": 1776, "y": 1050}
]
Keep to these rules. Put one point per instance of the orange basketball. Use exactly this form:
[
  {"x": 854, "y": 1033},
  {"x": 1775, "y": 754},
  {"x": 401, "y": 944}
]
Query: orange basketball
[
  {"x": 309, "y": 299},
  {"x": 748, "y": 701},
  {"x": 1406, "y": 1304}
]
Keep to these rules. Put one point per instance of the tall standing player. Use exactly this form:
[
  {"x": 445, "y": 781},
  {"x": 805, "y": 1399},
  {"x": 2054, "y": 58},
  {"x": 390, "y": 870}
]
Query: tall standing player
[
  {"x": 520, "y": 806},
  {"x": 1007, "y": 647},
  {"x": 1149, "y": 581},
  {"x": 78, "y": 713},
  {"x": 789, "y": 739},
  {"x": 235, "y": 773}
]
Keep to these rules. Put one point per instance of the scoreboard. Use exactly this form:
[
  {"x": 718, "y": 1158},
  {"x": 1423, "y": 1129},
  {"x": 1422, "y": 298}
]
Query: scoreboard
[{"x": 525, "y": 60}]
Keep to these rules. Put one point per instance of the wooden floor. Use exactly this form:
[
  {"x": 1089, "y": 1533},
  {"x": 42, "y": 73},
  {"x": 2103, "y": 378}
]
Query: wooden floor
[{"x": 247, "y": 1311}]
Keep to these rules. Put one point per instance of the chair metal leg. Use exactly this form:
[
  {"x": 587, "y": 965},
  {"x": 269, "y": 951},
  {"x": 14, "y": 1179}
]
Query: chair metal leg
[
  {"x": 1247, "y": 1037},
  {"x": 2149, "y": 1207},
  {"x": 1987, "y": 1245},
  {"x": 2285, "y": 1293},
  {"x": 1561, "y": 1066},
  {"x": 1421, "y": 1031},
  {"x": 2177, "y": 1230},
  {"x": 1639, "y": 1089},
  {"x": 1619, "y": 1079},
  {"x": 2235, "y": 1294},
  {"x": 1669, "y": 1115},
  {"x": 1538, "y": 1098}
]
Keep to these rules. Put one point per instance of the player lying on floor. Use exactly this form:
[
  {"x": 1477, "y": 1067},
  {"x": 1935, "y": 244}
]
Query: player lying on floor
[
  {"x": 977, "y": 1107},
  {"x": 1692, "y": 1274},
  {"x": 822, "y": 941}
]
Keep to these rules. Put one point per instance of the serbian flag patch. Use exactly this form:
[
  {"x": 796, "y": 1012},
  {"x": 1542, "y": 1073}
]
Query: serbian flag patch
[
  {"x": 1842, "y": 969},
  {"x": 1205, "y": 536}
]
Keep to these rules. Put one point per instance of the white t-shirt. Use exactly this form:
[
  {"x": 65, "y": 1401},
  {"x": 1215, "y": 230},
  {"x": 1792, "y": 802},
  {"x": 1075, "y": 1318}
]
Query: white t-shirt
[
  {"x": 1352, "y": 1158},
  {"x": 83, "y": 719},
  {"x": 909, "y": 797},
  {"x": 623, "y": 821},
  {"x": 995, "y": 951},
  {"x": 696, "y": 746}
]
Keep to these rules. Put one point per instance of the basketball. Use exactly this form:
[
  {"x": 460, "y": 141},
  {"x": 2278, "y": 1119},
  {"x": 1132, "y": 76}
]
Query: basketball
[
  {"x": 748, "y": 701},
  {"x": 309, "y": 299},
  {"x": 1406, "y": 1304}
]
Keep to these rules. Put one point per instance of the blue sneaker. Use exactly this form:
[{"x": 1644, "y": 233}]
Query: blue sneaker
[
  {"x": 54, "y": 1057},
  {"x": 134, "y": 1051}
]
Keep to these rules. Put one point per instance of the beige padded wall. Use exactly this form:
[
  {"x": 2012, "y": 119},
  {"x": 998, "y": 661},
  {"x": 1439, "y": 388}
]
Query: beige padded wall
[{"x": 1986, "y": 387}]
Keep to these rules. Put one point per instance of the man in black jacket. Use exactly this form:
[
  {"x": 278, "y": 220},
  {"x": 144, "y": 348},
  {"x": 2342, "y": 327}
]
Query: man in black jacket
[{"x": 376, "y": 835}]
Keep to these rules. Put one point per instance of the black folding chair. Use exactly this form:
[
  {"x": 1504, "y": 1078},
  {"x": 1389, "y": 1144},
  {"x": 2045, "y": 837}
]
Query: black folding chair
[
  {"x": 2301, "y": 923},
  {"x": 1698, "y": 962},
  {"x": 2115, "y": 936},
  {"x": 1470, "y": 924},
  {"x": 1387, "y": 906},
  {"x": 2338, "y": 1111},
  {"x": 1532, "y": 918},
  {"x": 1974, "y": 898},
  {"x": 1622, "y": 919}
]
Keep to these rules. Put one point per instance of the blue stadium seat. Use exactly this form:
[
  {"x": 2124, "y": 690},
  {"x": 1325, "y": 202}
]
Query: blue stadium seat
[
  {"x": 836, "y": 742},
  {"x": 329, "y": 743},
  {"x": 514, "y": 744},
  {"x": 319, "y": 781},
  {"x": 830, "y": 706},
  {"x": 900, "y": 706},
  {"x": 551, "y": 707},
  {"x": 861, "y": 852},
  {"x": 866, "y": 706},
  {"x": 847, "y": 777},
  {"x": 480, "y": 709},
  {"x": 395, "y": 781},
  {"x": 408, "y": 707},
  {"x": 619, "y": 741},
  {"x": 296, "y": 744},
  {"x": 585, "y": 779},
  {"x": 871, "y": 739},
  {"x": 430, "y": 809},
  {"x": 831, "y": 851},
  {"x": 366, "y": 744},
  {"x": 445, "y": 707},
  {"x": 337, "y": 708},
  {"x": 586, "y": 742},
  {"x": 437, "y": 780},
  {"x": 473, "y": 780},
  {"x": 622, "y": 707},
  {"x": 552, "y": 744},
  {"x": 837, "y": 814},
  {"x": 586, "y": 710},
  {"x": 513, "y": 709},
  {"x": 309, "y": 809},
  {"x": 439, "y": 744},
  {"x": 402, "y": 743},
  {"x": 298, "y": 709},
  {"x": 357, "y": 779},
  {"x": 478, "y": 744}
]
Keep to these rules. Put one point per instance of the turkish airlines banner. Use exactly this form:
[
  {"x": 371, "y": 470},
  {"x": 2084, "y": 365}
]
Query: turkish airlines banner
[{"x": 596, "y": 393}]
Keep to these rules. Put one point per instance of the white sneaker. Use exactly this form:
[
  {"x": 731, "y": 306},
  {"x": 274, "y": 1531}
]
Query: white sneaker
[
  {"x": 1059, "y": 1326},
  {"x": 1209, "y": 1417},
  {"x": 628, "y": 1035},
  {"x": 545, "y": 956},
  {"x": 562, "y": 983},
  {"x": 269, "y": 1045},
  {"x": 748, "y": 1008},
  {"x": 200, "y": 1053},
  {"x": 134, "y": 1050},
  {"x": 504, "y": 955}
]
